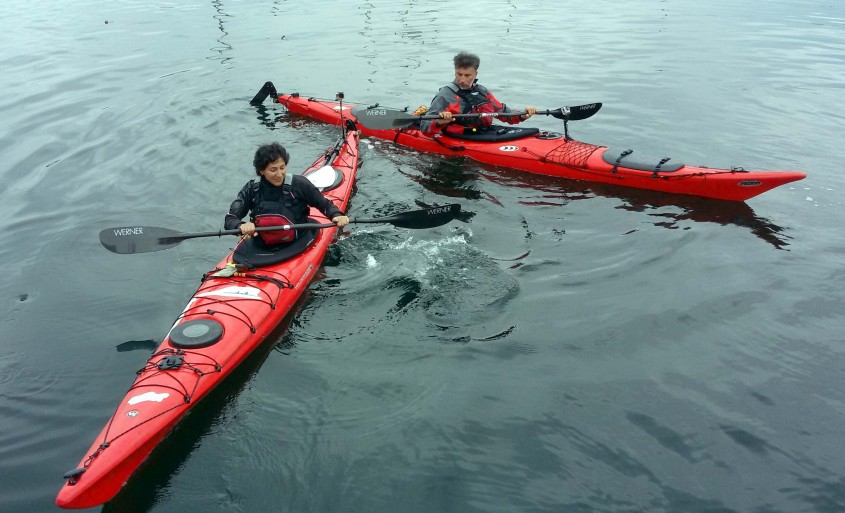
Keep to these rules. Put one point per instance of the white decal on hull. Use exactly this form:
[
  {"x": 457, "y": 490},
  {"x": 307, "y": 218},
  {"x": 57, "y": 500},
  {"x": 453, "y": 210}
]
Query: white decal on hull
[{"x": 149, "y": 396}]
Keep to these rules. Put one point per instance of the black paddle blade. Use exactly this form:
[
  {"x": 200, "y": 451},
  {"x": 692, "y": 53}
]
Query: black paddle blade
[
  {"x": 126, "y": 240},
  {"x": 380, "y": 118},
  {"x": 577, "y": 112},
  {"x": 418, "y": 219}
]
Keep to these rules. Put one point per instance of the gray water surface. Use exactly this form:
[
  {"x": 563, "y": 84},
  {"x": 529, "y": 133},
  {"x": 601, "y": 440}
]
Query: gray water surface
[{"x": 565, "y": 346}]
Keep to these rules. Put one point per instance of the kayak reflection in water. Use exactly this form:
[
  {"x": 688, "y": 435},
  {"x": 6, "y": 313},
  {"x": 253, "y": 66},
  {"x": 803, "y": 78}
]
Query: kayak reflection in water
[
  {"x": 465, "y": 96},
  {"x": 277, "y": 199}
]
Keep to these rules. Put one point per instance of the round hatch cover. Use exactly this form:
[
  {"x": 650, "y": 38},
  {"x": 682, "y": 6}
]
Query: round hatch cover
[{"x": 196, "y": 333}]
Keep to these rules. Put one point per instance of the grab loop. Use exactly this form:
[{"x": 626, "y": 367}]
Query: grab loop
[
  {"x": 619, "y": 159},
  {"x": 72, "y": 476},
  {"x": 657, "y": 167}
]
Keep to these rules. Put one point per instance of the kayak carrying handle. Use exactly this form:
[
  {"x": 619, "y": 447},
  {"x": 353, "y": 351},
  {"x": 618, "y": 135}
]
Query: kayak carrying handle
[
  {"x": 657, "y": 167},
  {"x": 619, "y": 159},
  {"x": 72, "y": 476}
]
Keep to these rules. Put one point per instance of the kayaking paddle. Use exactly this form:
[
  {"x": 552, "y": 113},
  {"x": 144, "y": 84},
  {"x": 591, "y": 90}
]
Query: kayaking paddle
[
  {"x": 127, "y": 240},
  {"x": 381, "y": 118}
]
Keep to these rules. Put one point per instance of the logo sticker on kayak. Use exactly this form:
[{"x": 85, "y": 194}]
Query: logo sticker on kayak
[
  {"x": 338, "y": 108},
  {"x": 234, "y": 291},
  {"x": 508, "y": 148},
  {"x": 149, "y": 396},
  {"x": 749, "y": 183},
  {"x": 304, "y": 275}
]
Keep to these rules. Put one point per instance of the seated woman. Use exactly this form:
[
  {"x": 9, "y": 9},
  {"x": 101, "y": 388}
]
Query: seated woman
[{"x": 276, "y": 199}]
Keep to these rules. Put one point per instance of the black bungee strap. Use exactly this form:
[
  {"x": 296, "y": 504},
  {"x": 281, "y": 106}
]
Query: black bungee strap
[
  {"x": 619, "y": 160},
  {"x": 657, "y": 167}
]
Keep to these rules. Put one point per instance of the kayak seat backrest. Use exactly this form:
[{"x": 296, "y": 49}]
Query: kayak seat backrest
[
  {"x": 496, "y": 133},
  {"x": 631, "y": 160},
  {"x": 325, "y": 178},
  {"x": 252, "y": 253}
]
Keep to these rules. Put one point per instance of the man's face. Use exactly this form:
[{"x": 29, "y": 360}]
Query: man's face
[{"x": 465, "y": 77}]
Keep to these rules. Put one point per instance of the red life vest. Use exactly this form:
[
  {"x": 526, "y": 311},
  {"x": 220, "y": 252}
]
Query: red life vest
[
  {"x": 473, "y": 101},
  {"x": 476, "y": 102},
  {"x": 271, "y": 213},
  {"x": 275, "y": 236}
]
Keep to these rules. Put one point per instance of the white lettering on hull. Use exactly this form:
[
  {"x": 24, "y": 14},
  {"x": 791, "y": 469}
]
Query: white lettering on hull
[
  {"x": 234, "y": 291},
  {"x": 304, "y": 275}
]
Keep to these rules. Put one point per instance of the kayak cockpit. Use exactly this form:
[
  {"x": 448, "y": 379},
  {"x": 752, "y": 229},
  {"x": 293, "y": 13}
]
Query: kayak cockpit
[
  {"x": 252, "y": 253},
  {"x": 496, "y": 133}
]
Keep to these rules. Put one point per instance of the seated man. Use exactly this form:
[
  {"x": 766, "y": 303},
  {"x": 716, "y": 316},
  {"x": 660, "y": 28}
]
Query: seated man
[{"x": 465, "y": 96}]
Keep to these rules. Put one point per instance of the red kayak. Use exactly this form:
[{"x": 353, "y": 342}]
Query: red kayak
[
  {"x": 545, "y": 153},
  {"x": 231, "y": 313}
]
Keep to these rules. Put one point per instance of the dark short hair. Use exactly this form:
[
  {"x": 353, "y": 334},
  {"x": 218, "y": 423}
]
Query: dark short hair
[
  {"x": 268, "y": 153},
  {"x": 467, "y": 60}
]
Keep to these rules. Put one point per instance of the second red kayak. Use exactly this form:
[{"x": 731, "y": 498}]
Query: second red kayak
[
  {"x": 234, "y": 310},
  {"x": 545, "y": 153}
]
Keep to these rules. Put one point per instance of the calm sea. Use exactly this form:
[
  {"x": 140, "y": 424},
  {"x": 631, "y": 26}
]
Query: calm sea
[{"x": 566, "y": 347}]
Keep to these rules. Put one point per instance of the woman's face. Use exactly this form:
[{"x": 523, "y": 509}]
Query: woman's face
[{"x": 275, "y": 172}]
